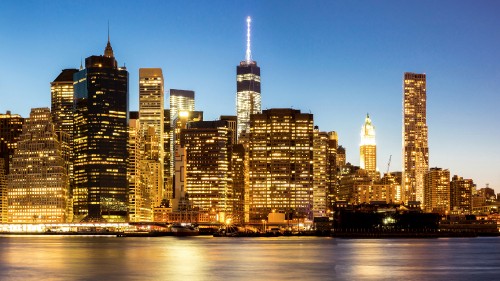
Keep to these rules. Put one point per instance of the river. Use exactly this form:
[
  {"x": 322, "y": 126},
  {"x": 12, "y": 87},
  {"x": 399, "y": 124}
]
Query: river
[{"x": 277, "y": 258}]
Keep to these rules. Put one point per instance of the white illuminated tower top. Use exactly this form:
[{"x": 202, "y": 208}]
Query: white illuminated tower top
[
  {"x": 367, "y": 132},
  {"x": 248, "y": 99},
  {"x": 368, "y": 147}
]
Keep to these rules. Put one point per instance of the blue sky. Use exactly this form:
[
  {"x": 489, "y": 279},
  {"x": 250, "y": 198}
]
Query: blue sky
[{"x": 336, "y": 59}]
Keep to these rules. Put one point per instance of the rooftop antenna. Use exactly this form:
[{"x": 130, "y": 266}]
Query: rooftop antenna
[
  {"x": 108, "y": 30},
  {"x": 248, "y": 56}
]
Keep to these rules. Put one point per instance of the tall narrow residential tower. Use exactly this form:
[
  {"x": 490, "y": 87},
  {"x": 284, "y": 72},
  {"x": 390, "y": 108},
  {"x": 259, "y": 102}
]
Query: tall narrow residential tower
[
  {"x": 248, "y": 88},
  {"x": 415, "y": 147},
  {"x": 368, "y": 148},
  {"x": 100, "y": 139}
]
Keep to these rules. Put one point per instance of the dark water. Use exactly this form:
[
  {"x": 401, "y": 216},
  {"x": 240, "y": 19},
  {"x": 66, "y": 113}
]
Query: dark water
[{"x": 208, "y": 258}]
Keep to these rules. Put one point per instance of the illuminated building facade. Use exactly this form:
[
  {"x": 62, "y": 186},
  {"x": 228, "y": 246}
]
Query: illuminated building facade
[
  {"x": 367, "y": 193},
  {"x": 208, "y": 158},
  {"x": 368, "y": 148},
  {"x": 61, "y": 90},
  {"x": 415, "y": 146},
  {"x": 167, "y": 156},
  {"x": 140, "y": 209},
  {"x": 248, "y": 100},
  {"x": 232, "y": 124},
  {"x": 320, "y": 167},
  {"x": 331, "y": 168},
  {"x": 38, "y": 185},
  {"x": 61, "y": 93},
  {"x": 350, "y": 181},
  {"x": 3, "y": 192},
  {"x": 100, "y": 140},
  {"x": 437, "y": 191},
  {"x": 280, "y": 164},
  {"x": 180, "y": 100},
  {"x": 151, "y": 119},
  {"x": 461, "y": 194},
  {"x": 239, "y": 174},
  {"x": 11, "y": 128},
  {"x": 341, "y": 157}
]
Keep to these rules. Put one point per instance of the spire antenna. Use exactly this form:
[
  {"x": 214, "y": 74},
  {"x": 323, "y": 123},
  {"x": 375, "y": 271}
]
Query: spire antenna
[
  {"x": 248, "y": 56},
  {"x": 108, "y": 30}
]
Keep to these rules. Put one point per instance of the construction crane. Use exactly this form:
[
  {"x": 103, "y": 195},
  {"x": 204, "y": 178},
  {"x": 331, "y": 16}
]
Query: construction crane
[{"x": 389, "y": 164}]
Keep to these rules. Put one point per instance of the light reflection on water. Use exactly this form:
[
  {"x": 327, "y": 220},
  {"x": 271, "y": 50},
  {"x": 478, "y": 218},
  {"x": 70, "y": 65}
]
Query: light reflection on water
[{"x": 281, "y": 258}]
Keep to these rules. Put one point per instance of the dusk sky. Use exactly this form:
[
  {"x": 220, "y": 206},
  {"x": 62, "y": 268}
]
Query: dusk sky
[{"x": 338, "y": 61}]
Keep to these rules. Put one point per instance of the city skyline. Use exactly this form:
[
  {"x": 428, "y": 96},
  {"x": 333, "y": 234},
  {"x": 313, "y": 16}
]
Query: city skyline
[{"x": 314, "y": 59}]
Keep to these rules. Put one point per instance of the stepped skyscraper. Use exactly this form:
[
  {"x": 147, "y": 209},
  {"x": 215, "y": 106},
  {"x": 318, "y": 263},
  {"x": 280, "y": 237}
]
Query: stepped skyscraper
[
  {"x": 100, "y": 139},
  {"x": 415, "y": 147},
  {"x": 38, "y": 185},
  {"x": 248, "y": 99}
]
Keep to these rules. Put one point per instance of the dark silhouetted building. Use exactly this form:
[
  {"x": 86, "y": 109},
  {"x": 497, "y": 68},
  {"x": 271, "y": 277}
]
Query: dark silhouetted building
[{"x": 100, "y": 140}]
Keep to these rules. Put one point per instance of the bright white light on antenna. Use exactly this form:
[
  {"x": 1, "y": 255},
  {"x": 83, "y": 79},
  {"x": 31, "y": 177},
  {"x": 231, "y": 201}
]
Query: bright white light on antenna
[{"x": 248, "y": 55}]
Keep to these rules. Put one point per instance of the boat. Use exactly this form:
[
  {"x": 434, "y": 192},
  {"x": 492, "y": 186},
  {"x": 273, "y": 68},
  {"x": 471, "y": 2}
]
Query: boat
[{"x": 184, "y": 229}]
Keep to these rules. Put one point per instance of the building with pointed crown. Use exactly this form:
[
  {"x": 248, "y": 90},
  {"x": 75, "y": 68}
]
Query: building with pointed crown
[
  {"x": 100, "y": 139},
  {"x": 368, "y": 148}
]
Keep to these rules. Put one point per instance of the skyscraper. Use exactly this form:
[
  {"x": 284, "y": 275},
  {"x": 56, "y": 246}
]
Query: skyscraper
[
  {"x": 320, "y": 162},
  {"x": 331, "y": 168},
  {"x": 239, "y": 177},
  {"x": 140, "y": 209},
  {"x": 180, "y": 100},
  {"x": 100, "y": 139},
  {"x": 61, "y": 92},
  {"x": 368, "y": 148},
  {"x": 208, "y": 156},
  {"x": 38, "y": 186},
  {"x": 11, "y": 128},
  {"x": 437, "y": 190},
  {"x": 151, "y": 119},
  {"x": 248, "y": 99},
  {"x": 281, "y": 163},
  {"x": 415, "y": 147}
]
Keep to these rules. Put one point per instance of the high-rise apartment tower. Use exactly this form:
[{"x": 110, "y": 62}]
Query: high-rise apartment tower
[{"x": 415, "y": 147}]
